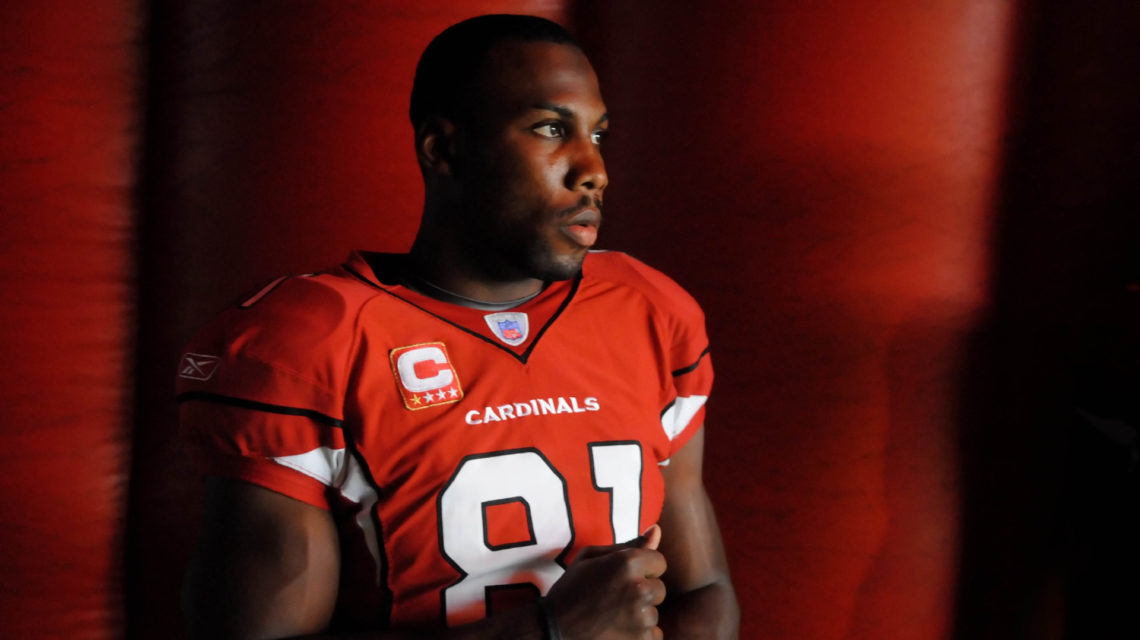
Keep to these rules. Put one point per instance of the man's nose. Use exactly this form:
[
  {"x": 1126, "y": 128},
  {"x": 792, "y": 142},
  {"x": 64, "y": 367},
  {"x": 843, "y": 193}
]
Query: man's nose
[{"x": 587, "y": 169}]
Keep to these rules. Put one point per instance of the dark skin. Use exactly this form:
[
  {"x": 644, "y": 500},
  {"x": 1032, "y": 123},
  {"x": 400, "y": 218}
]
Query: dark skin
[
  {"x": 513, "y": 199},
  {"x": 504, "y": 185}
]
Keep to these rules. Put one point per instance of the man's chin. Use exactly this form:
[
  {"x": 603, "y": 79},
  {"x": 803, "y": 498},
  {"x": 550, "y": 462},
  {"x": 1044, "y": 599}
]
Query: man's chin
[{"x": 563, "y": 267}]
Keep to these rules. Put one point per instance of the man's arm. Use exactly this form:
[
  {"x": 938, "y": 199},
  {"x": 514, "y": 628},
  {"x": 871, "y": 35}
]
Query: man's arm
[
  {"x": 701, "y": 602},
  {"x": 267, "y": 566}
]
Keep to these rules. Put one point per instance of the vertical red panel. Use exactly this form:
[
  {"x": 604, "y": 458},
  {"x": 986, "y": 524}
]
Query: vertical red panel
[
  {"x": 67, "y": 136},
  {"x": 820, "y": 175},
  {"x": 278, "y": 141}
]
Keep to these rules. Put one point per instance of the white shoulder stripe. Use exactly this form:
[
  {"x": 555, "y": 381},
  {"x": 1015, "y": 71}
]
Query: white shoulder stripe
[
  {"x": 323, "y": 464},
  {"x": 678, "y": 415},
  {"x": 333, "y": 468}
]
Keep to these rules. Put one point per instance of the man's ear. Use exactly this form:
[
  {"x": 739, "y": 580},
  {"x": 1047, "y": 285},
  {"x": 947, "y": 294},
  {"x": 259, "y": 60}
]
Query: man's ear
[{"x": 437, "y": 146}]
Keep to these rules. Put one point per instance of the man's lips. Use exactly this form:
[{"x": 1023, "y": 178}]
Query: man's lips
[{"x": 582, "y": 227}]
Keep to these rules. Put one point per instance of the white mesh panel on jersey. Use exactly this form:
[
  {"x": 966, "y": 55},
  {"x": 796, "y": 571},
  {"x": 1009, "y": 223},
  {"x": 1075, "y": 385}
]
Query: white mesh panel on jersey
[
  {"x": 678, "y": 415},
  {"x": 323, "y": 464},
  {"x": 333, "y": 468}
]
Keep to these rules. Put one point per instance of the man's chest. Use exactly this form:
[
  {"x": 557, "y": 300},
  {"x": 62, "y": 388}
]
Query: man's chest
[
  {"x": 493, "y": 461},
  {"x": 428, "y": 392}
]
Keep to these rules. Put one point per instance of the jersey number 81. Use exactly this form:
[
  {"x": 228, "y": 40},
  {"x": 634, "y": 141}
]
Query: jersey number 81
[{"x": 527, "y": 477}]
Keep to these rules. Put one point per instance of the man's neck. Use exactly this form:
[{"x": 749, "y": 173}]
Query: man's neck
[{"x": 442, "y": 272}]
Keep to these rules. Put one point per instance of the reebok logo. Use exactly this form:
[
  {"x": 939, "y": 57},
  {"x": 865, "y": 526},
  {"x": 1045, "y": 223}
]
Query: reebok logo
[{"x": 197, "y": 366}]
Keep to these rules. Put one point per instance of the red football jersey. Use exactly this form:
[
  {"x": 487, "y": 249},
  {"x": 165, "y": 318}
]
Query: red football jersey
[{"x": 465, "y": 454}]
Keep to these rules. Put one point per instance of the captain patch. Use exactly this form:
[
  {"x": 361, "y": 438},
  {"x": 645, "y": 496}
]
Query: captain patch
[{"x": 425, "y": 376}]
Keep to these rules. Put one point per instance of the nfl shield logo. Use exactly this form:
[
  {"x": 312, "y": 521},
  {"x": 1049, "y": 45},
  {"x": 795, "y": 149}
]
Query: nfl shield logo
[
  {"x": 511, "y": 327},
  {"x": 510, "y": 330}
]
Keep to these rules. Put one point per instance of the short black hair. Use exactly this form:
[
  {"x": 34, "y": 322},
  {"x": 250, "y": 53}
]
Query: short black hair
[{"x": 454, "y": 57}]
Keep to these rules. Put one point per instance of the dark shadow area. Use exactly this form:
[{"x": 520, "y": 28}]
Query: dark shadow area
[
  {"x": 1050, "y": 527},
  {"x": 165, "y": 496}
]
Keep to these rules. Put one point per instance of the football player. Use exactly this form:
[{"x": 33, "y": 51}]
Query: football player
[{"x": 496, "y": 435}]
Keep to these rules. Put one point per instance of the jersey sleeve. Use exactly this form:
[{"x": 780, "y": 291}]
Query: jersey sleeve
[
  {"x": 261, "y": 389},
  {"x": 679, "y": 329},
  {"x": 690, "y": 375}
]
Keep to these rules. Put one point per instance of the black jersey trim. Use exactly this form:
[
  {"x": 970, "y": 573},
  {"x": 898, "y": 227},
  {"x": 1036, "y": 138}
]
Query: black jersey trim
[
  {"x": 525, "y": 355},
  {"x": 315, "y": 416},
  {"x": 385, "y": 612},
  {"x": 683, "y": 370},
  {"x": 347, "y": 267}
]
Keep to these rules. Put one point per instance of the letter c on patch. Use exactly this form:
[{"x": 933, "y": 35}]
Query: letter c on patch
[{"x": 424, "y": 369}]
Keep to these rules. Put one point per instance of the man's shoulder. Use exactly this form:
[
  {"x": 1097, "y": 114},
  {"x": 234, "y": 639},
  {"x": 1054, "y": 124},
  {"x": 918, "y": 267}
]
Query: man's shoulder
[
  {"x": 321, "y": 297},
  {"x": 293, "y": 314},
  {"x": 623, "y": 271}
]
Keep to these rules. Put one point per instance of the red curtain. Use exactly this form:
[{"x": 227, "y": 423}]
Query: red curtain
[
  {"x": 821, "y": 176},
  {"x": 68, "y": 134}
]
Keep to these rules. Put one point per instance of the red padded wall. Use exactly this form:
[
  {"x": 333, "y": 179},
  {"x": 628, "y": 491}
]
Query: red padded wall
[
  {"x": 820, "y": 175},
  {"x": 67, "y": 133},
  {"x": 278, "y": 140}
]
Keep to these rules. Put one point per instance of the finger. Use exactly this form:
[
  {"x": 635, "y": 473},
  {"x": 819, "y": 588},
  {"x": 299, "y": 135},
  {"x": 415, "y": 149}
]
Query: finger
[
  {"x": 643, "y": 620},
  {"x": 648, "y": 540},
  {"x": 646, "y": 563},
  {"x": 651, "y": 537},
  {"x": 597, "y": 551},
  {"x": 653, "y": 592}
]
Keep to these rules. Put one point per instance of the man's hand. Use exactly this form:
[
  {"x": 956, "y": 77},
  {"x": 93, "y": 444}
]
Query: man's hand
[{"x": 612, "y": 592}]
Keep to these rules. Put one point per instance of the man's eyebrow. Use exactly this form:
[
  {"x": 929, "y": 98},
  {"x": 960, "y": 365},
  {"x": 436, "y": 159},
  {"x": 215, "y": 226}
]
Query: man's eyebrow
[
  {"x": 565, "y": 112},
  {"x": 560, "y": 110}
]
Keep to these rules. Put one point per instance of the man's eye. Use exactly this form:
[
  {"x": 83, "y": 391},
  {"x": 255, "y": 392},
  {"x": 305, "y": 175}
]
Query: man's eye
[
  {"x": 550, "y": 130},
  {"x": 599, "y": 136}
]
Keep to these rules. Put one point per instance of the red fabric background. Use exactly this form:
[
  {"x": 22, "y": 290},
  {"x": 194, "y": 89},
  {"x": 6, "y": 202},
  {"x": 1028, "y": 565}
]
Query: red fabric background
[
  {"x": 68, "y": 127},
  {"x": 821, "y": 177}
]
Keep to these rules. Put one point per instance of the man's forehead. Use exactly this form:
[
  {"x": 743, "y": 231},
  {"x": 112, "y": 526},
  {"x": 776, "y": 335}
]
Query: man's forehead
[
  {"x": 519, "y": 77},
  {"x": 543, "y": 63}
]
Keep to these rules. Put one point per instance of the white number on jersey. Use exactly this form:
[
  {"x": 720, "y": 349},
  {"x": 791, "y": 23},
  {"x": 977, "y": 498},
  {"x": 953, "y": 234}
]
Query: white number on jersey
[
  {"x": 525, "y": 476},
  {"x": 616, "y": 469}
]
